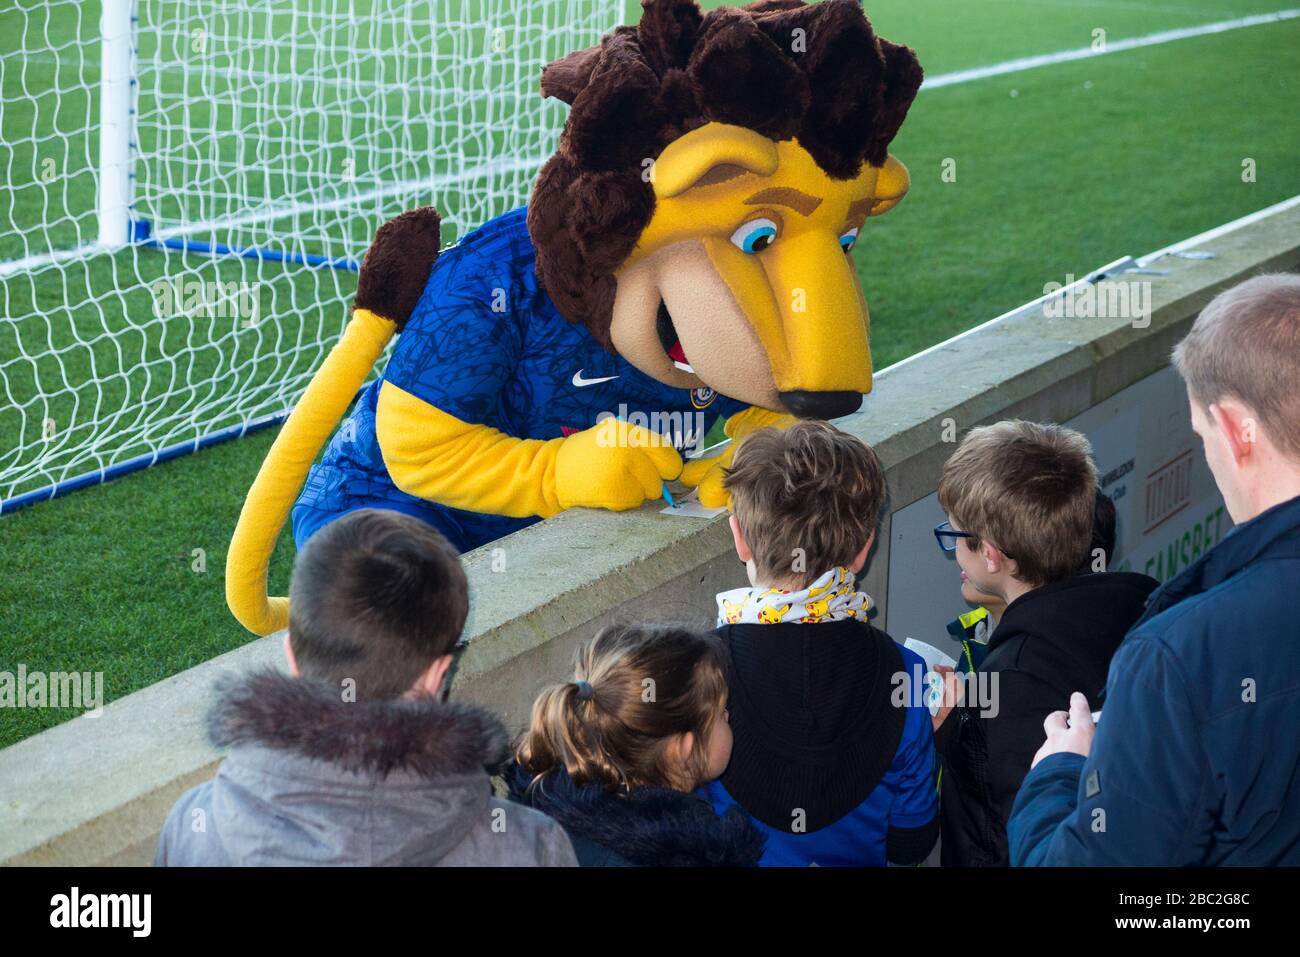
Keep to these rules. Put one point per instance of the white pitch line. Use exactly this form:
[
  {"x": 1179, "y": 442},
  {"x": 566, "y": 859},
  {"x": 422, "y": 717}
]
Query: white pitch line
[
  {"x": 946, "y": 79},
  {"x": 271, "y": 213},
  {"x": 931, "y": 83},
  {"x": 1115, "y": 46},
  {"x": 29, "y": 263}
]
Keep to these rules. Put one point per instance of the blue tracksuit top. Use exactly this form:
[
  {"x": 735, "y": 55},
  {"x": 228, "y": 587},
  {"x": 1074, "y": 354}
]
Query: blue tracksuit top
[{"x": 486, "y": 345}]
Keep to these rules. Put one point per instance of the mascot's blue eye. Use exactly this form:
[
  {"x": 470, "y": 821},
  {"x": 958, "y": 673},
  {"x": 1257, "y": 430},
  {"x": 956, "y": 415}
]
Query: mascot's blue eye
[
  {"x": 755, "y": 236},
  {"x": 848, "y": 239}
]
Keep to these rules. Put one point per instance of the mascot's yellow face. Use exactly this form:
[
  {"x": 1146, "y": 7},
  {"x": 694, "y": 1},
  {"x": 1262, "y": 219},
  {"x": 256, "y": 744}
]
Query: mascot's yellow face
[{"x": 742, "y": 281}]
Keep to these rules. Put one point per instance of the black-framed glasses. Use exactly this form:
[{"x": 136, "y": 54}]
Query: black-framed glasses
[{"x": 947, "y": 537}]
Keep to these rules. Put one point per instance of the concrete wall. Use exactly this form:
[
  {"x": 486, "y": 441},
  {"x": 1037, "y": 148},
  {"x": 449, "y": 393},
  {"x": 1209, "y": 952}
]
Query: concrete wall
[{"x": 96, "y": 789}]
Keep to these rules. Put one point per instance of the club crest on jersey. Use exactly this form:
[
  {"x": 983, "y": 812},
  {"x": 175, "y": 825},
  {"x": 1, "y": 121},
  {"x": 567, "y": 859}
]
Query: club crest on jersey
[{"x": 703, "y": 397}]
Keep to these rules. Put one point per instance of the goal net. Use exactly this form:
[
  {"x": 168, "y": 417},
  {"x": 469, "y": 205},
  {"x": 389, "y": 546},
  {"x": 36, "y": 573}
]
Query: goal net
[{"x": 190, "y": 185}]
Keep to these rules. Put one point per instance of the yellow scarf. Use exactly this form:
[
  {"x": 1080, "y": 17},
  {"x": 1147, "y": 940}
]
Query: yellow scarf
[{"x": 831, "y": 597}]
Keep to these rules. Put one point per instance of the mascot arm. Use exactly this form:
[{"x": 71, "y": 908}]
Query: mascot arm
[
  {"x": 707, "y": 474},
  {"x": 434, "y": 455}
]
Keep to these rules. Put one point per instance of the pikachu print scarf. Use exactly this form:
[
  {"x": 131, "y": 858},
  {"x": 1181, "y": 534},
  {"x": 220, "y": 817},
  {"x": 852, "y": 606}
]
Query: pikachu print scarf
[{"x": 831, "y": 597}]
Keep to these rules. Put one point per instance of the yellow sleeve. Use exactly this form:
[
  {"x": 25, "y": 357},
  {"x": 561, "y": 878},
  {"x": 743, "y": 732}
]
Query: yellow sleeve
[{"x": 436, "y": 456}]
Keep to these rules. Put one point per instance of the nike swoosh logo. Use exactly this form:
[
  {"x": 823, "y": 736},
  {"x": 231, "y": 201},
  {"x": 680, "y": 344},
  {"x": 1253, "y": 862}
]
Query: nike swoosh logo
[{"x": 579, "y": 381}]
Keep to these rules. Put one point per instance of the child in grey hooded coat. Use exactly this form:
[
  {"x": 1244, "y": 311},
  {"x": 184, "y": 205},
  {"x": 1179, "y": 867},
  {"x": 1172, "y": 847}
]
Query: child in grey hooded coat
[
  {"x": 355, "y": 758},
  {"x": 311, "y": 780}
]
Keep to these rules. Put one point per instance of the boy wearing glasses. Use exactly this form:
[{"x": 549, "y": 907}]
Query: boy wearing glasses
[{"x": 1021, "y": 502}]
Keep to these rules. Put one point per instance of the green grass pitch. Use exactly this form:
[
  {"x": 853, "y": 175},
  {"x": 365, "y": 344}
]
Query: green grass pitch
[{"x": 1059, "y": 169}]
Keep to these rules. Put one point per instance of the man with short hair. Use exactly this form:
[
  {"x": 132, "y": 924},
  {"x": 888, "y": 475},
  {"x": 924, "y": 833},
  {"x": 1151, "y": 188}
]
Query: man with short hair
[
  {"x": 1194, "y": 760},
  {"x": 355, "y": 758}
]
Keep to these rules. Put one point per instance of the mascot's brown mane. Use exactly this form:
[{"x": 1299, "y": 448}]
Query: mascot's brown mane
[{"x": 836, "y": 86}]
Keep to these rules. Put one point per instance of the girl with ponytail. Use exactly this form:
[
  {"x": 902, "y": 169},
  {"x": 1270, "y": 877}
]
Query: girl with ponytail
[{"x": 615, "y": 754}]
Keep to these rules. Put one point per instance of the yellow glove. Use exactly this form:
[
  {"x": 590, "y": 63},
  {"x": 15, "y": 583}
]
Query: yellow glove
[
  {"x": 707, "y": 474},
  {"x": 613, "y": 465},
  {"x": 433, "y": 455}
]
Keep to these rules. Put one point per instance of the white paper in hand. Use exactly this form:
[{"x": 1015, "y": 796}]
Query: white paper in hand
[
  {"x": 688, "y": 506},
  {"x": 932, "y": 655},
  {"x": 933, "y": 680}
]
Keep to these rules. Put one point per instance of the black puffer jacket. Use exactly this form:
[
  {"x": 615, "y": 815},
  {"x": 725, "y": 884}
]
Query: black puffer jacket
[{"x": 1051, "y": 642}]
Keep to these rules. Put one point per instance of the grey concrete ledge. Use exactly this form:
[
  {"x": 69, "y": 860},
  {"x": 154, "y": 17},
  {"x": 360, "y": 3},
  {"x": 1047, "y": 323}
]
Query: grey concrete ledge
[{"x": 96, "y": 789}]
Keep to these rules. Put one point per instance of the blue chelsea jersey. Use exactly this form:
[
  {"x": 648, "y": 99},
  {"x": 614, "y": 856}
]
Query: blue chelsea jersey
[{"x": 486, "y": 345}]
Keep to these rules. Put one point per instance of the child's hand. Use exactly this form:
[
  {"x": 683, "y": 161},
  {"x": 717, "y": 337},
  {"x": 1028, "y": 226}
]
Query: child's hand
[
  {"x": 954, "y": 690},
  {"x": 1070, "y": 731}
]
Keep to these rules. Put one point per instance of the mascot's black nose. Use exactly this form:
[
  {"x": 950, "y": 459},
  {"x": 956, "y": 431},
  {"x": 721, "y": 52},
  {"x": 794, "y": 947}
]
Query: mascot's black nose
[{"x": 821, "y": 405}]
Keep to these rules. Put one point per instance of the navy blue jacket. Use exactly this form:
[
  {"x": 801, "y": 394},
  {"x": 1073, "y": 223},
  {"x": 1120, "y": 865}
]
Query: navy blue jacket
[
  {"x": 650, "y": 827},
  {"x": 1196, "y": 754}
]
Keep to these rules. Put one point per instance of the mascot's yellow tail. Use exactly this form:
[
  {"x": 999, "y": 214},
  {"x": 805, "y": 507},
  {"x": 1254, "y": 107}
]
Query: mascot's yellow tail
[{"x": 392, "y": 279}]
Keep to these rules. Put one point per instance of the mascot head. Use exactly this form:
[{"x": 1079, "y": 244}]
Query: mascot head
[{"x": 712, "y": 176}]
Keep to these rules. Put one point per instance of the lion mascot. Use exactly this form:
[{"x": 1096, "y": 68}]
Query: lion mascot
[{"x": 684, "y": 253}]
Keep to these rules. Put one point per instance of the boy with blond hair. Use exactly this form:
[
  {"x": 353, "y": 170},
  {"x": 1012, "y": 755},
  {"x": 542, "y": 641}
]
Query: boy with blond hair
[
  {"x": 1021, "y": 499},
  {"x": 832, "y": 753}
]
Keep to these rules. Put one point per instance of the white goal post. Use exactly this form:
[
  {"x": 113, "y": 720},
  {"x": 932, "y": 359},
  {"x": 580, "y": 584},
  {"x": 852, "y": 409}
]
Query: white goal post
[
  {"x": 191, "y": 185},
  {"x": 116, "y": 125}
]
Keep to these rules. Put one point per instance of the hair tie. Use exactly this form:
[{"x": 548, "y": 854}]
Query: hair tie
[{"x": 585, "y": 691}]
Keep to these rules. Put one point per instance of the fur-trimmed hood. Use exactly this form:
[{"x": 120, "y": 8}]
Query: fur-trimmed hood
[
  {"x": 649, "y": 827},
  {"x": 312, "y": 779},
  {"x": 426, "y": 737}
]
